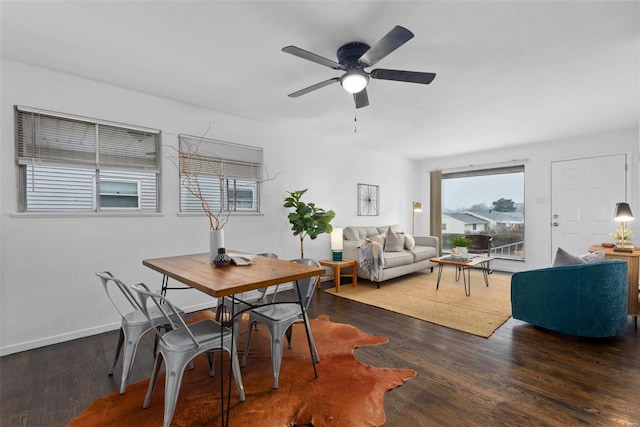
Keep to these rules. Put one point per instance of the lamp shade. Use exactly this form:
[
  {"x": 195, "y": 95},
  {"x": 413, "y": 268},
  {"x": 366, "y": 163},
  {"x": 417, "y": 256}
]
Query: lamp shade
[
  {"x": 623, "y": 212},
  {"x": 336, "y": 239},
  {"x": 417, "y": 207}
]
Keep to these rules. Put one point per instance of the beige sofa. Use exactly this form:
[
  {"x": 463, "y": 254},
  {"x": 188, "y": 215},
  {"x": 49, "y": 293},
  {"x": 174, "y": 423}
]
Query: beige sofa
[{"x": 399, "y": 259}]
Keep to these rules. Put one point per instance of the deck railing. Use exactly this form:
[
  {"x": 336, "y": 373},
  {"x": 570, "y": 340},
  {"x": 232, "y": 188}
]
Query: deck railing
[{"x": 513, "y": 250}]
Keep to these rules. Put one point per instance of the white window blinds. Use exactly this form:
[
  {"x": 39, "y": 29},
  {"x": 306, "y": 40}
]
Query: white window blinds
[
  {"x": 210, "y": 157},
  {"x": 62, "y": 160},
  {"x": 46, "y": 138}
]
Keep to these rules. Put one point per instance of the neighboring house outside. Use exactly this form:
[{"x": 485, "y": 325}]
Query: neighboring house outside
[
  {"x": 481, "y": 222},
  {"x": 463, "y": 223},
  {"x": 499, "y": 222}
]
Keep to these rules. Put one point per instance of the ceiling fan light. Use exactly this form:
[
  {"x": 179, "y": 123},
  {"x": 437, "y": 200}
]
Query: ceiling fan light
[{"x": 354, "y": 81}]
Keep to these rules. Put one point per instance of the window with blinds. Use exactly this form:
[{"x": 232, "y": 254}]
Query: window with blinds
[
  {"x": 74, "y": 164},
  {"x": 226, "y": 176}
]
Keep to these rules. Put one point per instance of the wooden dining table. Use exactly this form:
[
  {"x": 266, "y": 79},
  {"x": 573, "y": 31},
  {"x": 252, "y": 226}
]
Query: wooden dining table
[{"x": 196, "y": 271}]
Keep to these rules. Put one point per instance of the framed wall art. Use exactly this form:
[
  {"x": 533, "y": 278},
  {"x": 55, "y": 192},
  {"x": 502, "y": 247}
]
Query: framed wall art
[{"x": 368, "y": 200}]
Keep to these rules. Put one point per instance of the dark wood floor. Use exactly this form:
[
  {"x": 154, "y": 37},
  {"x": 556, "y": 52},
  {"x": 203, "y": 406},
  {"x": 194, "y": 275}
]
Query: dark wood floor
[{"x": 521, "y": 376}]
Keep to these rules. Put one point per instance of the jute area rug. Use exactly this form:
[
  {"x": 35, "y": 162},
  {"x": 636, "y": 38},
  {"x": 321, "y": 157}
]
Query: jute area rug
[
  {"x": 415, "y": 295},
  {"x": 346, "y": 392}
]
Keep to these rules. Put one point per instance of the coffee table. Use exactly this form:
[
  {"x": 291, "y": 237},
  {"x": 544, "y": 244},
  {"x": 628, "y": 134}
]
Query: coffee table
[{"x": 463, "y": 265}]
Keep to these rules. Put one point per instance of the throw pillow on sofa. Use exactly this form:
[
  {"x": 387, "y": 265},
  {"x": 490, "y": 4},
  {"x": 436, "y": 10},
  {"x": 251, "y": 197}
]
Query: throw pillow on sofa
[
  {"x": 395, "y": 241},
  {"x": 409, "y": 242},
  {"x": 565, "y": 258}
]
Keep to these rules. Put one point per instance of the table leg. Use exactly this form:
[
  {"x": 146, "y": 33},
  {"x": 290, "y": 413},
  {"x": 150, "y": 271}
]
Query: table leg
[
  {"x": 467, "y": 280},
  {"x": 225, "y": 420},
  {"x": 306, "y": 328},
  {"x": 336, "y": 277},
  {"x": 354, "y": 270},
  {"x": 440, "y": 266},
  {"x": 485, "y": 272},
  {"x": 165, "y": 285}
]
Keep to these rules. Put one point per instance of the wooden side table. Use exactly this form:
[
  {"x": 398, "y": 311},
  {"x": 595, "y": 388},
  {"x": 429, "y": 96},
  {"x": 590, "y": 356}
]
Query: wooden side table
[
  {"x": 633, "y": 261},
  {"x": 337, "y": 273}
]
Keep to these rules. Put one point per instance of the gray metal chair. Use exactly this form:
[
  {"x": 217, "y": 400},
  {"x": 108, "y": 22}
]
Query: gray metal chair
[
  {"x": 180, "y": 345},
  {"x": 134, "y": 323},
  {"x": 243, "y": 301},
  {"x": 278, "y": 319}
]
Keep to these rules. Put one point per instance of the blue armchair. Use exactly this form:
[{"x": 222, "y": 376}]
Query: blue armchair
[{"x": 588, "y": 300}]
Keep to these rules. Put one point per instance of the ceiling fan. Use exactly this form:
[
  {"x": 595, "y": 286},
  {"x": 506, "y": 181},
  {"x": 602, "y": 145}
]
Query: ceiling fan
[{"x": 354, "y": 57}]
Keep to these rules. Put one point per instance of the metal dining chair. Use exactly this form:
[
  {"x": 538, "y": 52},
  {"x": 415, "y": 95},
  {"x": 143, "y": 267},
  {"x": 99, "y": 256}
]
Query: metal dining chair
[
  {"x": 279, "y": 318},
  {"x": 134, "y": 323},
  {"x": 179, "y": 346},
  {"x": 243, "y": 301}
]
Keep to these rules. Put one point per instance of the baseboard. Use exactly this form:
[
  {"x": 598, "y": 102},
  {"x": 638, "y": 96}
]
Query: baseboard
[{"x": 81, "y": 333}]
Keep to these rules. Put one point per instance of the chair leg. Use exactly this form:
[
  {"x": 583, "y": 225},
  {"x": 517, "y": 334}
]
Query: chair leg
[
  {"x": 211, "y": 359},
  {"x": 276, "y": 358},
  {"x": 235, "y": 367},
  {"x": 173, "y": 379},
  {"x": 246, "y": 346},
  {"x": 288, "y": 334},
  {"x": 118, "y": 348},
  {"x": 130, "y": 349},
  {"x": 152, "y": 381}
]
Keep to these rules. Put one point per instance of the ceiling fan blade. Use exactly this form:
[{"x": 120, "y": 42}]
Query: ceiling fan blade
[
  {"x": 402, "y": 76},
  {"x": 314, "y": 87},
  {"x": 390, "y": 42},
  {"x": 361, "y": 98},
  {"x": 301, "y": 53}
]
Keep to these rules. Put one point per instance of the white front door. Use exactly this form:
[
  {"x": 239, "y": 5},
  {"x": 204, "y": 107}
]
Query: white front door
[{"x": 584, "y": 193}]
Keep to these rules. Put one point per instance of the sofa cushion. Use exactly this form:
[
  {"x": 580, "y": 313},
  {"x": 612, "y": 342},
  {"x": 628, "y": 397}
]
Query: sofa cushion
[
  {"x": 409, "y": 241},
  {"x": 359, "y": 233},
  {"x": 395, "y": 259},
  {"x": 421, "y": 253},
  {"x": 395, "y": 241}
]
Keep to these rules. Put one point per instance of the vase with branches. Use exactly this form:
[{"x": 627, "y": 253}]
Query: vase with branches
[
  {"x": 192, "y": 165},
  {"x": 307, "y": 219}
]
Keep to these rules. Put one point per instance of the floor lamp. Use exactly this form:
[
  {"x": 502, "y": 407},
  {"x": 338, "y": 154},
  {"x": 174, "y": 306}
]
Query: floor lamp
[
  {"x": 417, "y": 207},
  {"x": 623, "y": 214}
]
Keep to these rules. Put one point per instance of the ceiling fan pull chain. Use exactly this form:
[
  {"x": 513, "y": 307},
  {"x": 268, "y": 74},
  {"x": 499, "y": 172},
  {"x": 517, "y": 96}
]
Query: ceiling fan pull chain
[{"x": 355, "y": 120}]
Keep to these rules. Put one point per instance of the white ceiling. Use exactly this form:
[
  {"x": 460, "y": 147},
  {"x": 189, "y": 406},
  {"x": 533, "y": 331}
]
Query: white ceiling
[{"x": 507, "y": 72}]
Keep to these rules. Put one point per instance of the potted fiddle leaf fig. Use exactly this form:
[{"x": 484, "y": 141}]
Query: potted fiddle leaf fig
[{"x": 307, "y": 219}]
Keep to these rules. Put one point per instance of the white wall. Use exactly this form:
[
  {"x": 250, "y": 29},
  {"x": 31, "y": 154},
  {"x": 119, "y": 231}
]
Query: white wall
[
  {"x": 537, "y": 160},
  {"x": 48, "y": 290}
]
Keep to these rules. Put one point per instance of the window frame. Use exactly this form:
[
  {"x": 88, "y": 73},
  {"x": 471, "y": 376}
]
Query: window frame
[
  {"x": 63, "y": 143},
  {"x": 216, "y": 167},
  {"x": 516, "y": 167}
]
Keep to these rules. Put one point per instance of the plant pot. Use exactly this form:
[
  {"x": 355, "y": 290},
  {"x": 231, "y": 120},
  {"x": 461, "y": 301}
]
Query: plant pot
[
  {"x": 216, "y": 241},
  {"x": 464, "y": 252}
]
